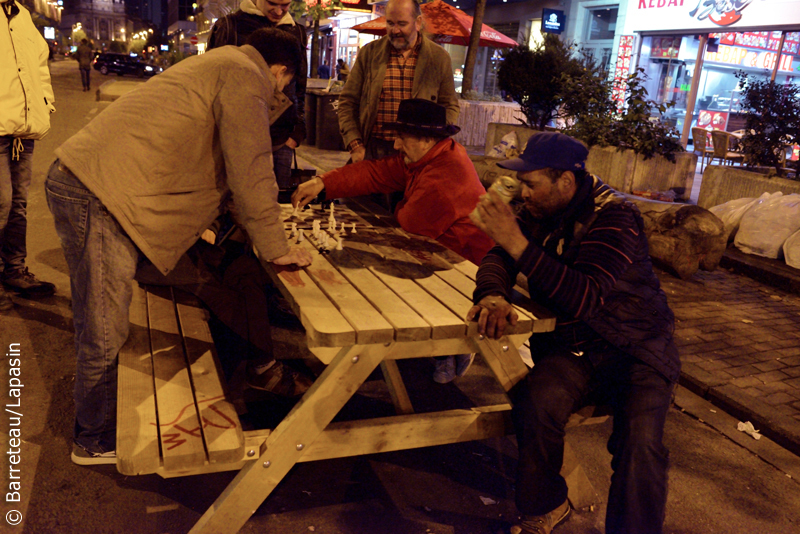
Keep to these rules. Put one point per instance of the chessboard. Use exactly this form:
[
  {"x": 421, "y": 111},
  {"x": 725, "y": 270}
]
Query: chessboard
[{"x": 304, "y": 219}]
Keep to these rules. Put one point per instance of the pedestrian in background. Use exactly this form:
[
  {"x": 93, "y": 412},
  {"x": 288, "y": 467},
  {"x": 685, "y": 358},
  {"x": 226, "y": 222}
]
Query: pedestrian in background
[
  {"x": 342, "y": 70},
  {"x": 386, "y": 73},
  {"x": 85, "y": 55},
  {"x": 26, "y": 102},
  {"x": 324, "y": 71},
  {"x": 290, "y": 129}
]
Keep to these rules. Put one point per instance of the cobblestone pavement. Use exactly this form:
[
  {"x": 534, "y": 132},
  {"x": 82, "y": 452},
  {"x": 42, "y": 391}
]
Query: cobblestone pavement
[{"x": 740, "y": 346}]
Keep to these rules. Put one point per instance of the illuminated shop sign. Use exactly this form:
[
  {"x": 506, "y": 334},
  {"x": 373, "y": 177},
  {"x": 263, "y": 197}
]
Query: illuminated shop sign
[
  {"x": 735, "y": 55},
  {"x": 552, "y": 21},
  {"x": 710, "y": 15}
]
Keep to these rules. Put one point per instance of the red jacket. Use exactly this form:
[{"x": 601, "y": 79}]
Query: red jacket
[{"x": 439, "y": 192}]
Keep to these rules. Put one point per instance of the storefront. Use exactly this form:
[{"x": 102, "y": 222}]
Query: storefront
[{"x": 664, "y": 38}]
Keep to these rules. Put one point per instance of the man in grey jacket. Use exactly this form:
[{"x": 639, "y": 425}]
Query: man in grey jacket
[
  {"x": 149, "y": 195},
  {"x": 400, "y": 66}
]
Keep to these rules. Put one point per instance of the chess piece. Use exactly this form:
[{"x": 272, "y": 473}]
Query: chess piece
[
  {"x": 353, "y": 230},
  {"x": 338, "y": 244},
  {"x": 300, "y": 236},
  {"x": 294, "y": 228},
  {"x": 294, "y": 212}
]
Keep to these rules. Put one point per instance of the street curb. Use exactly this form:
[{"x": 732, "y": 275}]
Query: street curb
[
  {"x": 782, "y": 429},
  {"x": 768, "y": 271}
]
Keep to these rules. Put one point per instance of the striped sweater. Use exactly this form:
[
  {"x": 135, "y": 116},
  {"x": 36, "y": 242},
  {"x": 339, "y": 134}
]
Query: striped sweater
[{"x": 592, "y": 255}]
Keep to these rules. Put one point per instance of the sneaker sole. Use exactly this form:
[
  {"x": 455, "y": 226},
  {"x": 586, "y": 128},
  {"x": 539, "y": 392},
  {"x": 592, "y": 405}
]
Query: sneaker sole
[{"x": 94, "y": 460}]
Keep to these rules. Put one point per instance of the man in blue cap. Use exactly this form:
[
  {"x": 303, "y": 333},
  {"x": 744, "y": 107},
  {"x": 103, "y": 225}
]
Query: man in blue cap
[{"x": 583, "y": 250}]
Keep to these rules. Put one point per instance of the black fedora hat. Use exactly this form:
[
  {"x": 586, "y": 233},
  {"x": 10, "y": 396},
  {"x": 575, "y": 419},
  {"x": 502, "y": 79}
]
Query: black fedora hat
[{"x": 423, "y": 117}]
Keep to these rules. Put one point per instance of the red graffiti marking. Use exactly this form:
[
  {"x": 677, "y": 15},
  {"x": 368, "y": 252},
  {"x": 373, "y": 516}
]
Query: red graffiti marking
[
  {"x": 328, "y": 277},
  {"x": 292, "y": 278},
  {"x": 175, "y": 440}
]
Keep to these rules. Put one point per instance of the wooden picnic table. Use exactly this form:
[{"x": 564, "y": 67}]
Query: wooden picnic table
[{"x": 386, "y": 295}]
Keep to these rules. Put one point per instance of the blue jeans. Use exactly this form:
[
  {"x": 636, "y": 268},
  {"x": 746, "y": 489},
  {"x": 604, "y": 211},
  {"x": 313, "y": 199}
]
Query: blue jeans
[
  {"x": 15, "y": 179},
  {"x": 561, "y": 383},
  {"x": 102, "y": 262}
]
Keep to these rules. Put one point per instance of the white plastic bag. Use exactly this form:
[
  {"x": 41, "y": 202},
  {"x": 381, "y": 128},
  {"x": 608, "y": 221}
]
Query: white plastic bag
[
  {"x": 508, "y": 142},
  {"x": 791, "y": 250},
  {"x": 730, "y": 213},
  {"x": 766, "y": 226}
]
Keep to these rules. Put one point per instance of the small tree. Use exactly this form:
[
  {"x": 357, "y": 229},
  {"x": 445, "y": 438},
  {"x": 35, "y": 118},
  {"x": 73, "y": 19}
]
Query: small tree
[
  {"x": 315, "y": 10},
  {"x": 772, "y": 122},
  {"x": 593, "y": 116},
  {"x": 534, "y": 78}
]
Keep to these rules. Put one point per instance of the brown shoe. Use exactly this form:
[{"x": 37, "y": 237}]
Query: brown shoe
[
  {"x": 542, "y": 524},
  {"x": 280, "y": 379},
  {"x": 24, "y": 282}
]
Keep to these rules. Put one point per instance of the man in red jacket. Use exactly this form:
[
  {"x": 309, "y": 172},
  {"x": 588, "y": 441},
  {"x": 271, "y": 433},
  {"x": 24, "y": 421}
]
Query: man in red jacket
[{"x": 439, "y": 184}]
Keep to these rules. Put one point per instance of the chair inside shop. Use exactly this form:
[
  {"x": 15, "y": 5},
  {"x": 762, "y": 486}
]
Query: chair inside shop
[
  {"x": 722, "y": 151},
  {"x": 700, "y": 144}
]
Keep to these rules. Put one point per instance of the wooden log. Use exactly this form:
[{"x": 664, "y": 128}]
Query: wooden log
[{"x": 682, "y": 237}]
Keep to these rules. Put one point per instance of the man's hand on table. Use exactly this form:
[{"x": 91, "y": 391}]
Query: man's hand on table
[
  {"x": 296, "y": 255},
  {"x": 307, "y": 191},
  {"x": 499, "y": 221},
  {"x": 493, "y": 313}
]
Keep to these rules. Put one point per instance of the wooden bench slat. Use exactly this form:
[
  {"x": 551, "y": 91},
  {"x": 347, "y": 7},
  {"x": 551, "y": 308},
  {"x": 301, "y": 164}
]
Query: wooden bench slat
[
  {"x": 137, "y": 433},
  {"x": 180, "y": 434},
  {"x": 222, "y": 431}
]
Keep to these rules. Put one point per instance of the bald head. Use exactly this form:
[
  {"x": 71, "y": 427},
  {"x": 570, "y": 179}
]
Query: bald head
[{"x": 403, "y": 23}]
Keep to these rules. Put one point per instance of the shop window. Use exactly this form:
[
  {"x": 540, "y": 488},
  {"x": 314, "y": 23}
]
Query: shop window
[{"x": 602, "y": 23}]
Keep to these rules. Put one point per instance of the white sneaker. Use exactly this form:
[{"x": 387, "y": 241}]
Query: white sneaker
[{"x": 81, "y": 456}]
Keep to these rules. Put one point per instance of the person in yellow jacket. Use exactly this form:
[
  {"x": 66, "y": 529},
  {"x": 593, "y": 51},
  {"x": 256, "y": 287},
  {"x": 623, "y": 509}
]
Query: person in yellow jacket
[{"x": 26, "y": 102}]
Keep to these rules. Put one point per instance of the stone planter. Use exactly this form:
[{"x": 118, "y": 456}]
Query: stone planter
[
  {"x": 614, "y": 167},
  {"x": 723, "y": 183},
  {"x": 660, "y": 174}
]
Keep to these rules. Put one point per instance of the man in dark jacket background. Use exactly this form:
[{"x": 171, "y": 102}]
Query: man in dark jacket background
[
  {"x": 583, "y": 250},
  {"x": 85, "y": 54},
  {"x": 290, "y": 129}
]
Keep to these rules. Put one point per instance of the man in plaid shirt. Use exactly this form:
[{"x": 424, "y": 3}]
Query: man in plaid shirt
[{"x": 400, "y": 66}]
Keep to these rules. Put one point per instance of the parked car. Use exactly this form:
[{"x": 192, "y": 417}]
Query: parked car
[{"x": 107, "y": 62}]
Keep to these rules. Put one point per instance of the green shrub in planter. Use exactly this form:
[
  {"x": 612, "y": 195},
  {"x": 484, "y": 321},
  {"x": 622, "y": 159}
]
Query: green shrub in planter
[
  {"x": 595, "y": 119},
  {"x": 772, "y": 122}
]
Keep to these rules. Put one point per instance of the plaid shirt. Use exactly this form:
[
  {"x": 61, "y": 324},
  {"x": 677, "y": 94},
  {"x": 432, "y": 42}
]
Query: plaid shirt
[{"x": 396, "y": 87}]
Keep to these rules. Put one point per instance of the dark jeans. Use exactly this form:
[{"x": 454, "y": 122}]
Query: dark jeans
[
  {"x": 15, "y": 179},
  {"x": 236, "y": 297},
  {"x": 561, "y": 383},
  {"x": 85, "y": 74},
  {"x": 282, "y": 164}
]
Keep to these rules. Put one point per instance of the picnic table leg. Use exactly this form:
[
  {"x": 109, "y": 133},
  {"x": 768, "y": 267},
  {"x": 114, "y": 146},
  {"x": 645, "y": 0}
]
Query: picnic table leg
[
  {"x": 503, "y": 359},
  {"x": 397, "y": 389},
  {"x": 292, "y": 437}
]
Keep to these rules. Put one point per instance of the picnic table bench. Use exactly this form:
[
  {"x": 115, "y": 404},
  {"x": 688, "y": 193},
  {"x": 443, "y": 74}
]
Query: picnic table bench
[{"x": 385, "y": 296}]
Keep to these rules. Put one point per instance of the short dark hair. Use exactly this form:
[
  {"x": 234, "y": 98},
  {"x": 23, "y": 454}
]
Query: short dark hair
[{"x": 277, "y": 47}]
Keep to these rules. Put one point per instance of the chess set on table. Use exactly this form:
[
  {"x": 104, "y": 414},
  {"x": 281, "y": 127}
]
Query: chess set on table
[{"x": 325, "y": 228}]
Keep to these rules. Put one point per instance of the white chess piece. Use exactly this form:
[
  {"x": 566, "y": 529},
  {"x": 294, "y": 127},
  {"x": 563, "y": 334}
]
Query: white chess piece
[
  {"x": 300, "y": 236},
  {"x": 338, "y": 244},
  {"x": 353, "y": 230},
  {"x": 294, "y": 228},
  {"x": 294, "y": 212}
]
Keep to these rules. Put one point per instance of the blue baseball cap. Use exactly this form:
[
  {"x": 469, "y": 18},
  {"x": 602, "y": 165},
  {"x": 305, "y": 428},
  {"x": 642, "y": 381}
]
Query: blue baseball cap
[{"x": 549, "y": 150}]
